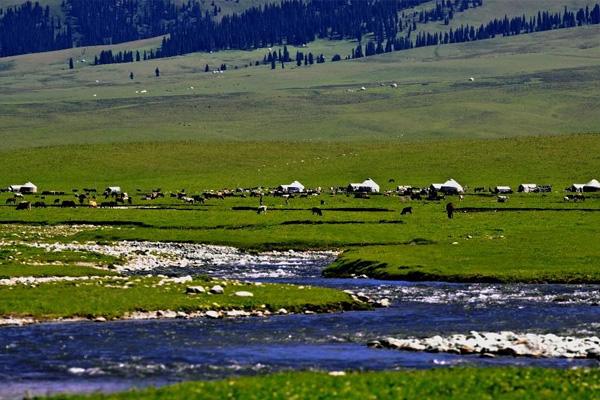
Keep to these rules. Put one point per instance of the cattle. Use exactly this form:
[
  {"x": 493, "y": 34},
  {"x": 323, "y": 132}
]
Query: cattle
[
  {"x": 108, "y": 204},
  {"x": 406, "y": 210},
  {"x": 188, "y": 200},
  {"x": 575, "y": 197},
  {"x": 415, "y": 196},
  {"x": 198, "y": 198},
  {"x": 39, "y": 204},
  {"x": 322, "y": 202},
  {"x": 261, "y": 210},
  {"x": 68, "y": 203},
  {"x": 11, "y": 200},
  {"x": 24, "y": 205},
  {"x": 502, "y": 199},
  {"x": 317, "y": 211},
  {"x": 450, "y": 210},
  {"x": 362, "y": 195},
  {"x": 218, "y": 195},
  {"x": 56, "y": 201}
]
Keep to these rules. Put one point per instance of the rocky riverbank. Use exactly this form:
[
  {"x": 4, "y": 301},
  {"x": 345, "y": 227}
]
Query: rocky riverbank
[
  {"x": 491, "y": 344},
  {"x": 187, "y": 258}
]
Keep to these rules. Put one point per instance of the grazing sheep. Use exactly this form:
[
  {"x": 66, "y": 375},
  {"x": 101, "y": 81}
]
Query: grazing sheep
[{"x": 406, "y": 210}]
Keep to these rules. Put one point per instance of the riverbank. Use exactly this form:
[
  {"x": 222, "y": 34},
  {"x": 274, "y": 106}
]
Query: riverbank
[
  {"x": 491, "y": 259},
  {"x": 451, "y": 383}
]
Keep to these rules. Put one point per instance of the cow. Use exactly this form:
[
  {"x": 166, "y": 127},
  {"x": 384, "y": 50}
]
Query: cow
[
  {"x": 317, "y": 211},
  {"x": 261, "y": 210},
  {"x": 11, "y": 200},
  {"x": 450, "y": 210},
  {"x": 502, "y": 199},
  {"x": 68, "y": 203},
  {"x": 108, "y": 204},
  {"x": 39, "y": 204},
  {"x": 56, "y": 201},
  {"x": 24, "y": 205},
  {"x": 406, "y": 210}
]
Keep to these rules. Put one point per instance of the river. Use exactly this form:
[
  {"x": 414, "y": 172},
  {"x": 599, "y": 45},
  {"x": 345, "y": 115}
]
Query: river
[{"x": 87, "y": 356}]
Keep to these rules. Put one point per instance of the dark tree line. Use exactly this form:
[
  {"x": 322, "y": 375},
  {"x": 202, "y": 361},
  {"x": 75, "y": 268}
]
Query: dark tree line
[
  {"x": 544, "y": 21},
  {"x": 294, "y": 22},
  {"x": 30, "y": 28},
  {"x": 298, "y": 22},
  {"x": 116, "y": 21}
]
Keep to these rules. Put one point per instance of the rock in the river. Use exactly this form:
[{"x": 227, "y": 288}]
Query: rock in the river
[
  {"x": 244, "y": 294},
  {"x": 383, "y": 302},
  {"x": 195, "y": 289},
  {"x": 490, "y": 344},
  {"x": 99, "y": 319},
  {"x": 213, "y": 314},
  {"x": 217, "y": 289}
]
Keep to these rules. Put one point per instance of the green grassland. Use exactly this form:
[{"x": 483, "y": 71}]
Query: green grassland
[
  {"x": 453, "y": 383},
  {"x": 537, "y": 84},
  {"x": 113, "y": 298},
  {"x": 20, "y": 260}
]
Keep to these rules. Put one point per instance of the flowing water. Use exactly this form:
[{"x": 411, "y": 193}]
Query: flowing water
[{"x": 87, "y": 356}]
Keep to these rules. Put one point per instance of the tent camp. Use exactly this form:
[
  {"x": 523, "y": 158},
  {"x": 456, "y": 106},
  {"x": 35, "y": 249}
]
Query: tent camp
[
  {"x": 367, "y": 186},
  {"x": 503, "y": 190},
  {"x": 527, "y": 187},
  {"x": 26, "y": 188},
  {"x": 592, "y": 186},
  {"x": 294, "y": 187},
  {"x": 448, "y": 187},
  {"x": 576, "y": 187}
]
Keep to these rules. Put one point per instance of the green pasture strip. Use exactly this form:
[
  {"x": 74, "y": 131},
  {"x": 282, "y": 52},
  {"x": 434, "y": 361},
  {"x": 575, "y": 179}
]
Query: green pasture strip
[
  {"x": 443, "y": 383},
  {"x": 112, "y": 298}
]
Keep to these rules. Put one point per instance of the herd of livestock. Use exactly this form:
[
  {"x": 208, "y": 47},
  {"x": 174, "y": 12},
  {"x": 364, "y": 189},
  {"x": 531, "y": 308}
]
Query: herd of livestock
[{"x": 113, "y": 196}]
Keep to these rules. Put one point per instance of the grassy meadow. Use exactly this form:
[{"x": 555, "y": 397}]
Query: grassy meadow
[{"x": 447, "y": 383}]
